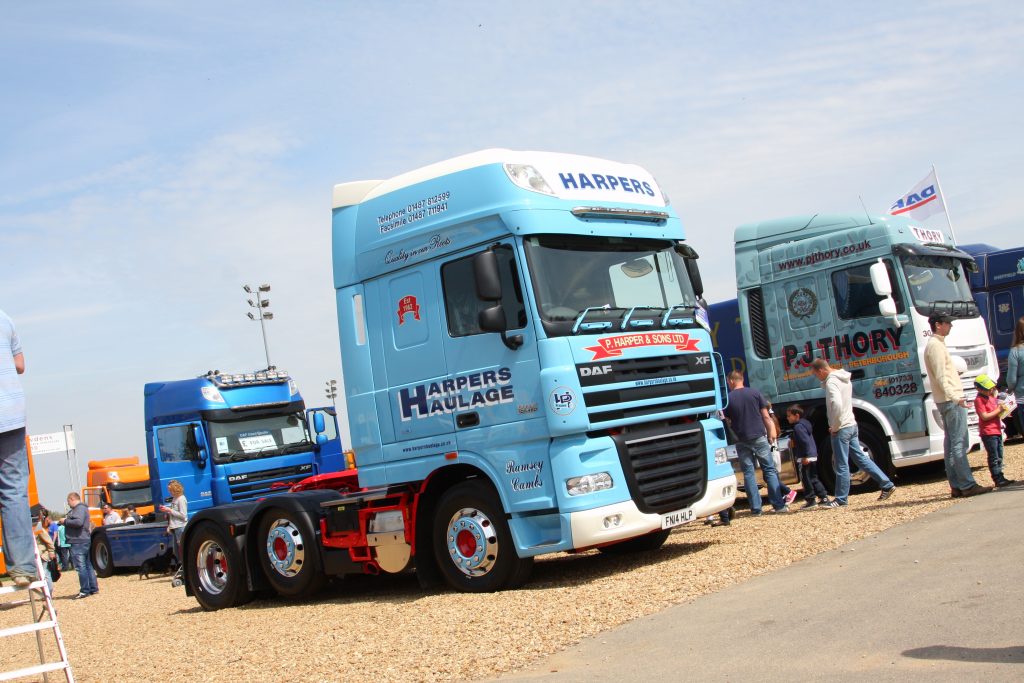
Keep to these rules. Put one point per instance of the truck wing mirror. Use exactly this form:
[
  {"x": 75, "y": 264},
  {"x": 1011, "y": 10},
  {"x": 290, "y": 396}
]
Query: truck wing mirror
[
  {"x": 880, "y": 278},
  {"x": 318, "y": 422},
  {"x": 487, "y": 276},
  {"x": 492, "y": 319},
  {"x": 690, "y": 257},
  {"x": 200, "y": 443}
]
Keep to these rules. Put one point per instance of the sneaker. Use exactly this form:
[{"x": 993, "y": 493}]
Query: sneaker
[
  {"x": 790, "y": 497},
  {"x": 834, "y": 504},
  {"x": 79, "y": 596},
  {"x": 886, "y": 494},
  {"x": 21, "y": 580},
  {"x": 1004, "y": 482},
  {"x": 781, "y": 511},
  {"x": 809, "y": 505},
  {"x": 756, "y": 513}
]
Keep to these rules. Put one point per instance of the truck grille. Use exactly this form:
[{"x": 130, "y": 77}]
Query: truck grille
[
  {"x": 665, "y": 465},
  {"x": 661, "y": 382},
  {"x": 249, "y": 485}
]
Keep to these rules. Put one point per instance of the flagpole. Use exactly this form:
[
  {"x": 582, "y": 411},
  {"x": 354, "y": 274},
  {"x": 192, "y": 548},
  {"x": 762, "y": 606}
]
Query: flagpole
[{"x": 945, "y": 206}]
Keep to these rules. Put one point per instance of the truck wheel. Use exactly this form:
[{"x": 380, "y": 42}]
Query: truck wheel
[
  {"x": 640, "y": 544},
  {"x": 102, "y": 558},
  {"x": 288, "y": 554},
  {"x": 216, "y": 569},
  {"x": 472, "y": 543}
]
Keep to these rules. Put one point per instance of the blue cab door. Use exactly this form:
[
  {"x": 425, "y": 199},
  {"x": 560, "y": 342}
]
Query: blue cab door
[{"x": 178, "y": 454}]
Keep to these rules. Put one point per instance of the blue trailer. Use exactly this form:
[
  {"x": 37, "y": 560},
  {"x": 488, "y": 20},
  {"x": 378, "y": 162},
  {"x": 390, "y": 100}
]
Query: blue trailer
[
  {"x": 226, "y": 438},
  {"x": 998, "y": 288}
]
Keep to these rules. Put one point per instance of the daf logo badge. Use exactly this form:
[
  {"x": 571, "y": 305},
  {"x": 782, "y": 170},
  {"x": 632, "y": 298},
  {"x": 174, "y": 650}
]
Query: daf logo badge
[{"x": 595, "y": 371}]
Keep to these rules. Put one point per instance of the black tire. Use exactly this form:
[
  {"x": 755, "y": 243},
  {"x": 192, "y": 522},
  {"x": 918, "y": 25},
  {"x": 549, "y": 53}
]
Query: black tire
[
  {"x": 102, "y": 558},
  {"x": 472, "y": 542},
  {"x": 641, "y": 544},
  {"x": 875, "y": 446},
  {"x": 288, "y": 554},
  {"x": 216, "y": 568}
]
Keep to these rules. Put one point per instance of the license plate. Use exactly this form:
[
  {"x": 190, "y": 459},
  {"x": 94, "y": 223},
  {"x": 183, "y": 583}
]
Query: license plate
[{"x": 676, "y": 518}]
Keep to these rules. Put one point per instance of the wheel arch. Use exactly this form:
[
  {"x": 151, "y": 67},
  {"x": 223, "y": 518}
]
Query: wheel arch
[{"x": 439, "y": 481}]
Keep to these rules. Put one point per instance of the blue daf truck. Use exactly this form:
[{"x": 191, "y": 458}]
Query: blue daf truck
[
  {"x": 225, "y": 437},
  {"x": 856, "y": 291},
  {"x": 998, "y": 288},
  {"x": 527, "y": 369}
]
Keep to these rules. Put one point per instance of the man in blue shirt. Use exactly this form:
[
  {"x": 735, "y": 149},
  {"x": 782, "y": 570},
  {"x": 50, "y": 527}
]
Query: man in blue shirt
[
  {"x": 748, "y": 416},
  {"x": 15, "y": 515}
]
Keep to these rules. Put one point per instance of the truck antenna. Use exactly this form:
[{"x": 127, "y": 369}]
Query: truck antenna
[{"x": 870, "y": 222}]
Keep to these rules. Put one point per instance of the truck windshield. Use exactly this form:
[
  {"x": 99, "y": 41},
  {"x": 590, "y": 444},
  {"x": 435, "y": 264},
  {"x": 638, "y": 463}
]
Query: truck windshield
[
  {"x": 607, "y": 281},
  {"x": 137, "y": 495},
  {"x": 258, "y": 437},
  {"x": 939, "y": 284}
]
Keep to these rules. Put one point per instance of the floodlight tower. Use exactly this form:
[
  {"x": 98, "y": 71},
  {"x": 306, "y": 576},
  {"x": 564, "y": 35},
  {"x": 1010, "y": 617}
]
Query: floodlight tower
[{"x": 260, "y": 304}]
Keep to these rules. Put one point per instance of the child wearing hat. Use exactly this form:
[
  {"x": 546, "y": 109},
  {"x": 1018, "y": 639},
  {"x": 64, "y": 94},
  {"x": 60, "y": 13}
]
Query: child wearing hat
[{"x": 990, "y": 427}]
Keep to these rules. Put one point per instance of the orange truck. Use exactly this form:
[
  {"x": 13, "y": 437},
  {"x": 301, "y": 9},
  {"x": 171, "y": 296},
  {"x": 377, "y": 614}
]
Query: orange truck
[
  {"x": 120, "y": 482},
  {"x": 33, "y": 499}
]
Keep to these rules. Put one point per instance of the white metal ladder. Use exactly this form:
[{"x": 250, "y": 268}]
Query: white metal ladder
[{"x": 44, "y": 617}]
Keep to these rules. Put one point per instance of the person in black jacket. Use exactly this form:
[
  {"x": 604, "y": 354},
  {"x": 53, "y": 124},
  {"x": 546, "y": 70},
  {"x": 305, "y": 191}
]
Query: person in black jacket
[
  {"x": 806, "y": 454},
  {"x": 78, "y": 531}
]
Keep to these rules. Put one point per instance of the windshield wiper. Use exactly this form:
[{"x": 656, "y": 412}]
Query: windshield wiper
[
  {"x": 235, "y": 456},
  {"x": 296, "y": 447},
  {"x": 601, "y": 325}
]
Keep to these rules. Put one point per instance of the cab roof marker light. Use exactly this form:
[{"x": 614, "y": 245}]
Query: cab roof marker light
[
  {"x": 622, "y": 214},
  {"x": 528, "y": 178}
]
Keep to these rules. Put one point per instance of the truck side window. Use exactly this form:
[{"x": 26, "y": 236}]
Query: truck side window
[
  {"x": 461, "y": 305},
  {"x": 175, "y": 445},
  {"x": 854, "y": 295}
]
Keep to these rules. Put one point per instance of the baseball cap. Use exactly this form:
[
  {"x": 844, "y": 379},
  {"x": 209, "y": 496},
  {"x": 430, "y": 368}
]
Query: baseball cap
[
  {"x": 939, "y": 318},
  {"x": 984, "y": 382}
]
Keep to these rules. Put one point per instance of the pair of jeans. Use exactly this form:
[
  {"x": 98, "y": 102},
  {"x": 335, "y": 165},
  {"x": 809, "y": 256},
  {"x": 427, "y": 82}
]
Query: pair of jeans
[
  {"x": 758, "y": 449},
  {"x": 83, "y": 565},
  {"x": 994, "y": 448},
  {"x": 956, "y": 444},
  {"x": 812, "y": 485},
  {"x": 15, "y": 514},
  {"x": 64, "y": 557},
  {"x": 846, "y": 444}
]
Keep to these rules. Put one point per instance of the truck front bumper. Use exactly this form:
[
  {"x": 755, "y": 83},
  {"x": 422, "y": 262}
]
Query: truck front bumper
[{"x": 621, "y": 521}]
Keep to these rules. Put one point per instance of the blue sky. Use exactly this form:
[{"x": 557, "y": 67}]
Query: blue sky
[{"x": 157, "y": 155}]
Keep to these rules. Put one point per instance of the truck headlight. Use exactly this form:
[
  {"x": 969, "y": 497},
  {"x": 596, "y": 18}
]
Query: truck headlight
[
  {"x": 588, "y": 483},
  {"x": 528, "y": 178},
  {"x": 721, "y": 456}
]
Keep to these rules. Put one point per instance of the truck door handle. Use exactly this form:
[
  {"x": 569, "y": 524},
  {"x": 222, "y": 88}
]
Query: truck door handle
[{"x": 467, "y": 420}]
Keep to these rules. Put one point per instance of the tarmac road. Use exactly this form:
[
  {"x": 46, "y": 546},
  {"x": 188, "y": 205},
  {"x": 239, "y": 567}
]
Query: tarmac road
[{"x": 939, "y": 599}]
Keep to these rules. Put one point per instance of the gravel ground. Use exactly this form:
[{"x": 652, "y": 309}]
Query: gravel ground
[{"x": 387, "y": 629}]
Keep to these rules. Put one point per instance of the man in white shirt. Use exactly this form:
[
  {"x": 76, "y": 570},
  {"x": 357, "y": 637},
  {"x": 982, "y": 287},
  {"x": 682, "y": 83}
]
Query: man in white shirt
[{"x": 949, "y": 398}]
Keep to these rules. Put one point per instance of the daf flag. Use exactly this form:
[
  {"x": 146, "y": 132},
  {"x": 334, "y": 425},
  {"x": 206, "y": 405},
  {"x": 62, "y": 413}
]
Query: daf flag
[{"x": 922, "y": 202}]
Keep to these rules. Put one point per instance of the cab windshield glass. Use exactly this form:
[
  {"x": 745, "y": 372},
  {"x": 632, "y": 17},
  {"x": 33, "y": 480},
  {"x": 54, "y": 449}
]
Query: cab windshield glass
[
  {"x": 607, "y": 280},
  {"x": 123, "y": 495},
  {"x": 938, "y": 284},
  {"x": 258, "y": 437}
]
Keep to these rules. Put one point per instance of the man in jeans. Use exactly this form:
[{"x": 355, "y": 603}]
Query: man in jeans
[
  {"x": 845, "y": 435},
  {"x": 77, "y": 528},
  {"x": 748, "y": 416},
  {"x": 948, "y": 394},
  {"x": 15, "y": 514}
]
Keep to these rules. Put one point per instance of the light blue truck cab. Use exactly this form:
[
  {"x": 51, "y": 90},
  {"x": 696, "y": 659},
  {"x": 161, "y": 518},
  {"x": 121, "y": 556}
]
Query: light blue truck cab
[
  {"x": 857, "y": 291},
  {"x": 524, "y": 341},
  {"x": 226, "y": 438}
]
